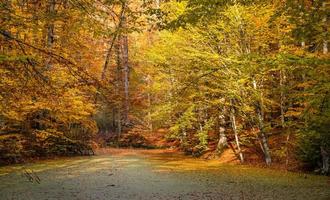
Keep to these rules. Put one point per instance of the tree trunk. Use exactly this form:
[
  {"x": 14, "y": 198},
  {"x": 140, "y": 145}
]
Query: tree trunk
[
  {"x": 325, "y": 42},
  {"x": 149, "y": 105},
  {"x": 113, "y": 41},
  {"x": 324, "y": 153},
  {"x": 261, "y": 128},
  {"x": 183, "y": 139},
  {"x": 222, "y": 143},
  {"x": 50, "y": 30},
  {"x": 283, "y": 110},
  {"x": 114, "y": 123},
  {"x": 234, "y": 127},
  {"x": 282, "y": 100},
  {"x": 118, "y": 80},
  {"x": 303, "y": 44},
  {"x": 325, "y": 47},
  {"x": 107, "y": 57},
  {"x": 287, "y": 150},
  {"x": 119, "y": 128},
  {"x": 126, "y": 69},
  {"x": 325, "y": 160}
]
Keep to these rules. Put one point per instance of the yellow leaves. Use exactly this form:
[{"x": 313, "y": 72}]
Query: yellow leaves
[
  {"x": 306, "y": 84},
  {"x": 44, "y": 134},
  {"x": 74, "y": 106},
  {"x": 173, "y": 9},
  {"x": 13, "y": 115},
  {"x": 29, "y": 105},
  {"x": 295, "y": 112},
  {"x": 67, "y": 104},
  {"x": 247, "y": 28}
]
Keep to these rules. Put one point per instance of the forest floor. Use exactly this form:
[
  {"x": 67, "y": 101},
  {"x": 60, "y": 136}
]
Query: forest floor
[{"x": 154, "y": 174}]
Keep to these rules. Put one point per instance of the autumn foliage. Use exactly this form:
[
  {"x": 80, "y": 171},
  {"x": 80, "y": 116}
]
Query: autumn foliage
[{"x": 251, "y": 76}]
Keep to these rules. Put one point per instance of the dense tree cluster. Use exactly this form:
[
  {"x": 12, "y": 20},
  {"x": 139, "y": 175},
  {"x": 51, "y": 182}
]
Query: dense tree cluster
[
  {"x": 57, "y": 61},
  {"x": 249, "y": 75},
  {"x": 256, "y": 73}
]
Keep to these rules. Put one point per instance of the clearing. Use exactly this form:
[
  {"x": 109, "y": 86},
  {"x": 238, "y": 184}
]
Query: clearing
[{"x": 153, "y": 174}]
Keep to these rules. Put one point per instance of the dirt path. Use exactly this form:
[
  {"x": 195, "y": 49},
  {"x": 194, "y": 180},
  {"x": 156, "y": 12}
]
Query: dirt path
[{"x": 150, "y": 174}]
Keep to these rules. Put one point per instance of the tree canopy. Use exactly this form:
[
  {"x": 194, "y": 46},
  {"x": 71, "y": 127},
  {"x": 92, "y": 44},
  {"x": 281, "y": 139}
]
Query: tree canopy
[{"x": 252, "y": 76}]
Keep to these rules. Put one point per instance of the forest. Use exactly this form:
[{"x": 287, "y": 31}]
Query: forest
[
  {"x": 164, "y": 99},
  {"x": 202, "y": 76}
]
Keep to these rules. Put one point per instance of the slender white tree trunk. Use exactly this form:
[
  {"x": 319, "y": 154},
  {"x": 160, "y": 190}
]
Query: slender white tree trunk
[
  {"x": 325, "y": 41},
  {"x": 149, "y": 104},
  {"x": 262, "y": 130},
  {"x": 282, "y": 100},
  {"x": 325, "y": 47},
  {"x": 222, "y": 143},
  {"x": 303, "y": 44},
  {"x": 234, "y": 127}
]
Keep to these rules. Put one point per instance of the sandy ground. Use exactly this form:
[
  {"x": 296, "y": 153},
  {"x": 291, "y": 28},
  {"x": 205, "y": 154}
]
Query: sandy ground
[{"x": 154, "y": 174}]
